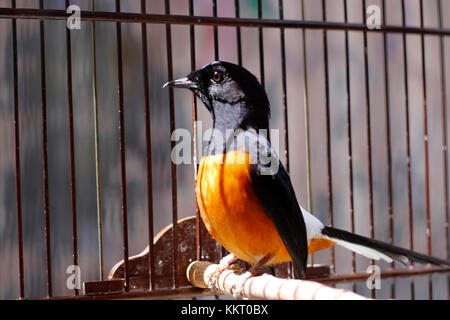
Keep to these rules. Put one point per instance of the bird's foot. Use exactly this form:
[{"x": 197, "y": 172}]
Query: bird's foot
[
  {"x": 238, "y": 289},
  {"x": 224, "y": 264}
]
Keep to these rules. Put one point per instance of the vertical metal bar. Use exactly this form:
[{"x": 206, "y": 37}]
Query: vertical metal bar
[
  {"x": 306, "y": 115},
  {"x": 216, "y": 32},
  {"x": 425, "y": 136},
  {"x": 425, "y": 131},
  {"x": 238, "y": 33},
  {"x": 148, "y": 151},
  {"x": 307, "y": 132},
  {"x": 71, "y": 147},
  {"x": 198, "y": 222},
  {"x": 172, "y": 144},
  {"x": 388, "y": 142},
  {"x": 444, "y": 127},
  {"x": 349, "y": 136},
  {"x": 284, "y": 97},
  {"x": 327, "y": 109},
  {"x": 17, "y": 156},
  {"x": 239, "y": 55},
  {"x": 261, "y": 46},
  {"x": 408, "y": 144},
  {"x": 123, "y": 178},
  {"x": 444, "y": 135},
  {"x": 45, "y": 157},
  {"x": 369, "y": 133},
  {"x": 216, "y": 57},
  {"x": 284, "y": 87},
  {"x": 97, "y": 150}
]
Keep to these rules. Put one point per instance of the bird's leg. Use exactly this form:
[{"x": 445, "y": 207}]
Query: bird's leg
[
  {"x": 223, "y": 265},
  {"x": 239, "y": 287}
]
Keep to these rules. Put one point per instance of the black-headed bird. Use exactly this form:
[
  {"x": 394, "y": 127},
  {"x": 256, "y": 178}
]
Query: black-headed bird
[{"x": 244, "y": 193}]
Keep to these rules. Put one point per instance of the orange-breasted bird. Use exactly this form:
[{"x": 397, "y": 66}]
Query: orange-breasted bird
[{"x": 244, "y": 193}]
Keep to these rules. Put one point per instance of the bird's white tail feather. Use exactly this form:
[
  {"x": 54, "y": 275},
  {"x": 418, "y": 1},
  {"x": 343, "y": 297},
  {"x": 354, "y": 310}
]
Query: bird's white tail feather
[
  {"x": 365, "y": 251},
  {"x": 376, "y": 250}
]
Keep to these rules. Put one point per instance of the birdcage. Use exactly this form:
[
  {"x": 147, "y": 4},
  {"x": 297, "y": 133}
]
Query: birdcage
[{"x": 91, "y": 204}]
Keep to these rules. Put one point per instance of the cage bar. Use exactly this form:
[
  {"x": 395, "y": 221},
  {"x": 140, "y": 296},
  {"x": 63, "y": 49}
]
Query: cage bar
[
  {"x": 173, "y": 166},
  {"x": 328, "y": 133},
  {"x": 216, "y": 32},
  {"x": 97, "y": 149},
  {"x": 284, "y": 87},
  {"x": 128, "y": 17},
  {"x": 369, "y": 132},
  {"x": 48, "y": 261},
  {"x": 444, "y": 126},
  {"x": 408, "y": 142},
  {"x": 349, "y": 135},
  {"x": 198, "y": 221},
  {"x": 71, "y": 148},
  {"x": 237, "y": 14},
  {"x": 425, "y": 136},
  {"x": 148, "y": 150},
  {"x": 444, "y": 134},
  {"x": 387, "y": 105},
  {"x": 123, "y": 177},
  {"x": 260, "y": 23},
  {"x": 17, "y": 157},
  {"x": 261, "y": 46},
  {"x": 306, "y": 108},
  {"x": 425, "y": 133},
  {"x": 284, "y": 101}
]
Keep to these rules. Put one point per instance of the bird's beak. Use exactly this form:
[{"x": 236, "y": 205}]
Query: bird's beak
[{"x": 181, "y": 83}]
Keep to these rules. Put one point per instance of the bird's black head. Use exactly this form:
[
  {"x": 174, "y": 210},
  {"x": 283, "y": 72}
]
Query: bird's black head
[{"x": 231, "y": 93}]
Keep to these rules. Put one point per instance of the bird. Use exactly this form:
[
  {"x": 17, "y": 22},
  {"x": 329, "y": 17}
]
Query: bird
[{"x": 244, "y": 193}]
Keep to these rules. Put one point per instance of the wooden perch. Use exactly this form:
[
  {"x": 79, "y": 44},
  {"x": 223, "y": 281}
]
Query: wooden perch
[{"x": 266, "y": 286}]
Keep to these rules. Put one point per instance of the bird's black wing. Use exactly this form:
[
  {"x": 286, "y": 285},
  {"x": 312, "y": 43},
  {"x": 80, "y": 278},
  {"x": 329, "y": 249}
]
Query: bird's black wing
[{"x": 277, "y": 196}]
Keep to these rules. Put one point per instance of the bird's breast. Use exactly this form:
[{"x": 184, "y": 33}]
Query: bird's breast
[{"x": 231, "y": 211}]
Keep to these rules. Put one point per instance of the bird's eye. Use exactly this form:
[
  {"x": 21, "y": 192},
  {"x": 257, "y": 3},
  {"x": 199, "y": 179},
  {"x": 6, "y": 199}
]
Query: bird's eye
[{"x": 217, "y": 76}]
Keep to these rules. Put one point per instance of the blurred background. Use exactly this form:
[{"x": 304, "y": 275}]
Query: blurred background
[{"x": 82, "y": 64}]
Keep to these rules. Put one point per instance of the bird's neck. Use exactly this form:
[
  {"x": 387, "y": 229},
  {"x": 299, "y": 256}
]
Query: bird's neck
[
  {"x": 228, "y": 120},
  {"x": 228, "y": 116}
]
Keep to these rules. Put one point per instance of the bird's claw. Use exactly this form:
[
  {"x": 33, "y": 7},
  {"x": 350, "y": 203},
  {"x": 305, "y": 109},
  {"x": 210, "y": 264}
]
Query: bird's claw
[
  {"x": 224, "y": 264},
  {"x": 238, "y": 289},
  {"x": 213, "y": 280}
]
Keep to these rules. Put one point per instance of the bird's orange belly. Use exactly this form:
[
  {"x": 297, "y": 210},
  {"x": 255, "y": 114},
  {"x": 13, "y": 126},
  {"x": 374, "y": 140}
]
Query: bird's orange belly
[
  {"x": 233, "y": 215},
  {"x": 231, "y": 211}
]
